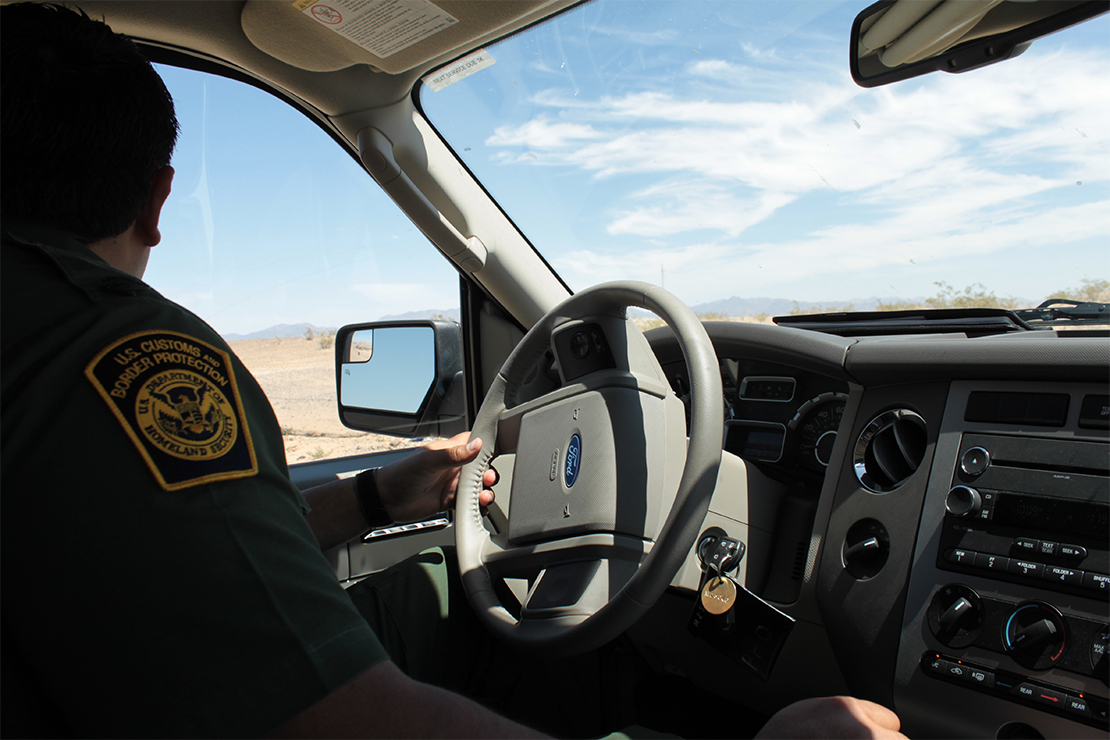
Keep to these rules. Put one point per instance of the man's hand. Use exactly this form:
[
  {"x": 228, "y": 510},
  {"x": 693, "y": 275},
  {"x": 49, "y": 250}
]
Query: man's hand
[
  {"x": 833, "y": 717},
  {"x": 426, "y": 481}
]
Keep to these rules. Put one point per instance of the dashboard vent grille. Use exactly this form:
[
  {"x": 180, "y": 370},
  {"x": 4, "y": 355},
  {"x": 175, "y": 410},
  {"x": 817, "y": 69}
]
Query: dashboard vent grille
[{"x": 889, "y": 450}]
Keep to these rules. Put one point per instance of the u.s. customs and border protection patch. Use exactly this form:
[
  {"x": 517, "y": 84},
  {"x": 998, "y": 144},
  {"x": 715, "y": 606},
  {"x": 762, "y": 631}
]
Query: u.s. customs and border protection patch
[{"x": 176, "y": 398}]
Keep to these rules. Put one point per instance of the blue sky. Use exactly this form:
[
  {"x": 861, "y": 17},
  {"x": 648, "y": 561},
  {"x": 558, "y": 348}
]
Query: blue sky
[
  {"x": 749, "y": 163},
  {"x": 725, "y": 154}
]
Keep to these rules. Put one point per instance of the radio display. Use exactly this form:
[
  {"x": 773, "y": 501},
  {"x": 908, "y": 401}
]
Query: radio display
[{"x": 1082, "y": 518}]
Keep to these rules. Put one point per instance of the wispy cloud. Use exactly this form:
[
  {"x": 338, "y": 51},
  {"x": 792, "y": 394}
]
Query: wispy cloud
[{"x": 946, "y": 166}]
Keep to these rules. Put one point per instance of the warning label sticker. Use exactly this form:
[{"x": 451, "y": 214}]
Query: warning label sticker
[{"x": 382, "y": 27}]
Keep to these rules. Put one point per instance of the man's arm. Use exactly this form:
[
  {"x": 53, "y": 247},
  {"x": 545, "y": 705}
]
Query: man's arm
[
  {"x": 411, "y": 489},
  {"x": 384, "y": 702}
]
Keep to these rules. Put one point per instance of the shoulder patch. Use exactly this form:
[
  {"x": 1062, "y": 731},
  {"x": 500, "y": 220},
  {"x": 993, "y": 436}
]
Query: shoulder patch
[{"x": 176, "y": 398}]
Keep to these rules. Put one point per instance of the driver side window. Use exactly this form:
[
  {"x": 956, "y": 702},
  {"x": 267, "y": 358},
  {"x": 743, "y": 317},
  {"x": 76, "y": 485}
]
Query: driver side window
[{"x": 276, "y": 237}]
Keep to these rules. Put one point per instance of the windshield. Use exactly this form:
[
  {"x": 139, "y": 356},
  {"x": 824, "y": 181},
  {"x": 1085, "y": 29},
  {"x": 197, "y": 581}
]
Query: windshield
[{"x": 721, "y": 150}]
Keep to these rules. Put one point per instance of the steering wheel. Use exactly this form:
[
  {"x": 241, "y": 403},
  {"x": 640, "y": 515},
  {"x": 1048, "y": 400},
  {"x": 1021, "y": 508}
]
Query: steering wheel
[{"x": 607, "y": 495}]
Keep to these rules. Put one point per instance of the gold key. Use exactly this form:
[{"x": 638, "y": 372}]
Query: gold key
[{"x": 718, "y": 595}]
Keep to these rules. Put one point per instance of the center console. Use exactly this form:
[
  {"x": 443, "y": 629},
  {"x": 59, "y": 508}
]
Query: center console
[{"x": 1007, "y": 615}]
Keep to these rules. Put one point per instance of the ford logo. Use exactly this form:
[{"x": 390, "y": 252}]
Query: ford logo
[{"x": 574, "y": 460}]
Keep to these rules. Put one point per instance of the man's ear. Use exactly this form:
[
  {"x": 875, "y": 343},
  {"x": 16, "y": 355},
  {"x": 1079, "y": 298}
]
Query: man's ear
[{"x": 147, "y": 222}]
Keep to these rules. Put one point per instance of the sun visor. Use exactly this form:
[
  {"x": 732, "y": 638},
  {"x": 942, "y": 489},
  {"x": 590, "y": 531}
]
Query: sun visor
[{"x": 392, "y": 36}]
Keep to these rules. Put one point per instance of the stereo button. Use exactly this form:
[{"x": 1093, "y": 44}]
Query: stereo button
[
  {"x": 963, "y": 557},
  {"x": 992, "y": 562},
  {"x": 1073, "y": 552},
  {"x": 1063, "y": 575},
  {"x": 975, "y": 461},
  {"x": 1096, "y": 582},
  {"x": 1048, "y": 548},
  {"x": 1026, "y": 568},
  {"x": 1026, "y": 544}
]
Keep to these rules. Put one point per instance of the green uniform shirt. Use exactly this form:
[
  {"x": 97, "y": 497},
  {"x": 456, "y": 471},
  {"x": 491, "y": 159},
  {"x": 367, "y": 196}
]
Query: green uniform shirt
[{"x": 159, "y": 578}]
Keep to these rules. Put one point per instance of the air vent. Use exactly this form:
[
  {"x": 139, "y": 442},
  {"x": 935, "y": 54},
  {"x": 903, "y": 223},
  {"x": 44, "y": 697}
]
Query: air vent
[{"x": 889, "y": 450}]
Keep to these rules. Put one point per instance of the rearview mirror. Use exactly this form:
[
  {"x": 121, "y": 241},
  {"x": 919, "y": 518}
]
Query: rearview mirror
[
  {"x": 897, "y": 39},
  {"x": 401, "y": 378}
]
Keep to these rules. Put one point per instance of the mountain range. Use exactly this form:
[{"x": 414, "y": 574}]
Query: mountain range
[{"x": 734, "y": 306}]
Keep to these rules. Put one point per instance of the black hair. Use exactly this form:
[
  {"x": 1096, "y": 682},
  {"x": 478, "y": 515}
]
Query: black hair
[{"x": 85, "y": 122}]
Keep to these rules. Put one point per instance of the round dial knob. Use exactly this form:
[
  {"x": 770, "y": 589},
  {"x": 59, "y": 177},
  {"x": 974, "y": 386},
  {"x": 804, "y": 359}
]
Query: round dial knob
[
  {"x": 1035, "y": 635},
  {"x": 866, "y": 548},
  {"x": 955, "y": 615},
  {"x": 963, "y": 501},
  {"x": 975, "y": 461}
]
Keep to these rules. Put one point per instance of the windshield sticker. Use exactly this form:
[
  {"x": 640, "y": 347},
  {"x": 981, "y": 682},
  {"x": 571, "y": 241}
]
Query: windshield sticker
[
  {"x": 382, "y": 27},
  {"x": 460, "y": 70},
  {"x": 177, "y": 400}
]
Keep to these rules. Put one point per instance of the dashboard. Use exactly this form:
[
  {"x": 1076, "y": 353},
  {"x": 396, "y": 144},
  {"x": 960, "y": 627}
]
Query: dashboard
[{"x": 939, "y": 530}]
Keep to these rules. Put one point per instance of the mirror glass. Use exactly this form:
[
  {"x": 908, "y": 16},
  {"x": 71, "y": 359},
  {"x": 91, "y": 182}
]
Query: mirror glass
[{"x": 388, "y": 369}]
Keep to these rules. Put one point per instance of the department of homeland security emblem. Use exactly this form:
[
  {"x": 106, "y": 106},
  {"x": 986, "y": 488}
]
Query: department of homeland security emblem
[{"x": 176, "y": 398}]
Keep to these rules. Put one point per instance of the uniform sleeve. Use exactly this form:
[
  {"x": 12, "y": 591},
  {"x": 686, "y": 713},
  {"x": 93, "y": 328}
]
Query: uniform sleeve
[{"x": 158, "y": 571}]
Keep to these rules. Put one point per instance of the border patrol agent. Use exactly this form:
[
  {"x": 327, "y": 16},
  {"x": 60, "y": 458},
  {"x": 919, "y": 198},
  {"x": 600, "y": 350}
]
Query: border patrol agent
[{"x": 162, "y": 576}]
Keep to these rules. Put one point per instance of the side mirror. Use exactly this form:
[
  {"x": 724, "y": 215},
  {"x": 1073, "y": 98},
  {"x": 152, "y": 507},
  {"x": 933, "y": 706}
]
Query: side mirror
[
  {"x": 897, "y": 39},
  {"x": 401, "y": 378}
]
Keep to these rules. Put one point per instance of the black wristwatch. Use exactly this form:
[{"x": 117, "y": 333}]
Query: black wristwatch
[{"x": 370, "y": 501}]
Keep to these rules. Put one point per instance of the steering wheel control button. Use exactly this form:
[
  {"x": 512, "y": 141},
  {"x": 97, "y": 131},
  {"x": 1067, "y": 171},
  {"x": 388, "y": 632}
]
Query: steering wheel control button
[
  {"x": 975, "y": 461},
  {"x": 581, "y": 350},
  {"x": 580, "y": 345}
]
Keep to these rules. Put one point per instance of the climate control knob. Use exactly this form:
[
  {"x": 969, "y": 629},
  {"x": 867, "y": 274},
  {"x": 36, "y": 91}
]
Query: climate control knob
[
  {"x": 963, "y": 501},
  {"x": 955, "y": 615},
  {"x": 1035, "y": 635}
]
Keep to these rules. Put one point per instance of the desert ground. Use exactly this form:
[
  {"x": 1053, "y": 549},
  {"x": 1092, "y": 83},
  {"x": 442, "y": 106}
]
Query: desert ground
[{"x": 298, "y": 376}]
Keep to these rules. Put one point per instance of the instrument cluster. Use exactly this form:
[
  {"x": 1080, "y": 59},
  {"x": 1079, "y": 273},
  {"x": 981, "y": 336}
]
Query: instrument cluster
[{"x": 783, "y": 419}]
